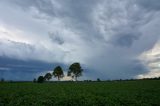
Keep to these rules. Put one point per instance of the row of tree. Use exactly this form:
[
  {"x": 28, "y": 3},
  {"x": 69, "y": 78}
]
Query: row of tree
[{"x": 75, "y": 71}]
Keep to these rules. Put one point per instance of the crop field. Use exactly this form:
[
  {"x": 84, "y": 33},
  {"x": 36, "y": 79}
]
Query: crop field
[{"x": 120, "y": 93}]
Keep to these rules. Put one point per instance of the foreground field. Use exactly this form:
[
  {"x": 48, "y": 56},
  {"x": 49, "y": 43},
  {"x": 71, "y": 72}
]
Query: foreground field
[{"x": 144, "y": 93}]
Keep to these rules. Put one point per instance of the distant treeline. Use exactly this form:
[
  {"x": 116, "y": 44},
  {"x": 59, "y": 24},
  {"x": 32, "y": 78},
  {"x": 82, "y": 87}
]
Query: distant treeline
[
  {"x": 97, "y": 80},
  {"x": 74, "y": 71}
]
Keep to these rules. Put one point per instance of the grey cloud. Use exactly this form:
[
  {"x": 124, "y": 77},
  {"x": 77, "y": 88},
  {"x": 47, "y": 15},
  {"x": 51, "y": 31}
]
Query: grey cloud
[
  {"x": 149, "y": 4},
  {"x": 125, "y": 39},
  {"x": 56, "y": 38},
  {"x": 39, "y": 4},
  {"x": 121, "y": 25},
  {"x": 12, "y": 48},
  {"x": 74, "y": 14},
  {"x": 23, "y": 51},
  {"x": 116, "y": 64}
]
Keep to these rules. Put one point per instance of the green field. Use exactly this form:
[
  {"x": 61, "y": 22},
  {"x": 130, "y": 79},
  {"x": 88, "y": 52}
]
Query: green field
[{"x": 121, "y": 93}]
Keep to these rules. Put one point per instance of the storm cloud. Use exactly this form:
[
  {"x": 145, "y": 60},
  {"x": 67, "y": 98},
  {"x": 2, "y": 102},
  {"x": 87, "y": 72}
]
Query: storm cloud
[{"x": 110, "y": 38}]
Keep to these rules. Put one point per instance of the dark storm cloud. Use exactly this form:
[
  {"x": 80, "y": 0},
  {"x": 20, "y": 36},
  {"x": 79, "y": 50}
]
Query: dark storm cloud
[{"x": 13, "y": 69}]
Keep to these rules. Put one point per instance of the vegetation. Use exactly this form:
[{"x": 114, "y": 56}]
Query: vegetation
[
  {"x": 113, "y": 93},
  {"x": 58, "y": 72},
  {"x": 75, "y": 71},
  {"x": 48, "y": 76},
  {"x": 98, "y": 80},
  {"x": 40, "y": 79}
]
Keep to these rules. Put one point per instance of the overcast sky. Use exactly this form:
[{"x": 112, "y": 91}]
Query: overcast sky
[{"x": 112, "y": 39}]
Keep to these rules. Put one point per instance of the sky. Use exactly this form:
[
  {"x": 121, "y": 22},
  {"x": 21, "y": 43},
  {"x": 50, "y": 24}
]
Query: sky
[{"x": 111, "y": 39}]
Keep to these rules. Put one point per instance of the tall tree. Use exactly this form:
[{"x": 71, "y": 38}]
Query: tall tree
[
  {"x": 75, "y": 70},
  {"x": 58, "y": 72},
  {"x": 48, "y": 76}
]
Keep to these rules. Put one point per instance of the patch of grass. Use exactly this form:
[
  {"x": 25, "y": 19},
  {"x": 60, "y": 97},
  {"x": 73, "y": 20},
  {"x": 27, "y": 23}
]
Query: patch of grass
[{"x": 123, "y": 93}]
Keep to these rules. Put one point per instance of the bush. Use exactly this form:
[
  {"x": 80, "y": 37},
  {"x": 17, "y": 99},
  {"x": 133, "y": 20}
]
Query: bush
[{"x": 98, "y": 80}]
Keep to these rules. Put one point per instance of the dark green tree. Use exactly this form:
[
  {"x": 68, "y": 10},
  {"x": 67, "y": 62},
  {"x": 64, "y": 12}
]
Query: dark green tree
[
  {"x": 75, "y": 71},
  {"x": 48, "y": 76},
  {"x": 58, "y": 72},
  {"x": 40, "y": 79}
]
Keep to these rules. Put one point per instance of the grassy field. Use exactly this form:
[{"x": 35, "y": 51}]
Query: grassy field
[{"x": 122, "y": 93}]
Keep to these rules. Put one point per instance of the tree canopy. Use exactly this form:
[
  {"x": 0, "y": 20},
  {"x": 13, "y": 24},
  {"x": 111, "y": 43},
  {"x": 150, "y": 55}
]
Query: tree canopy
[
  {"x": 75, "y": 70},
  {"x": 58, "y": 72},
  {"x": 48, "y": 76},
  {"x": 40, "y": 79}
]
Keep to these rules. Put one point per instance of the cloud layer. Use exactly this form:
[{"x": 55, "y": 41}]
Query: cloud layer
[{"x": 108, "y": 37}]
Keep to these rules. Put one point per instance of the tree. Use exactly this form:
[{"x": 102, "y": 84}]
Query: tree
[
  {"x": 75, "y": 70},
  {"x": 58, "y": 72},
  {"x": 40, "y": 79},
  {"x": 48, "y": 76}
]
